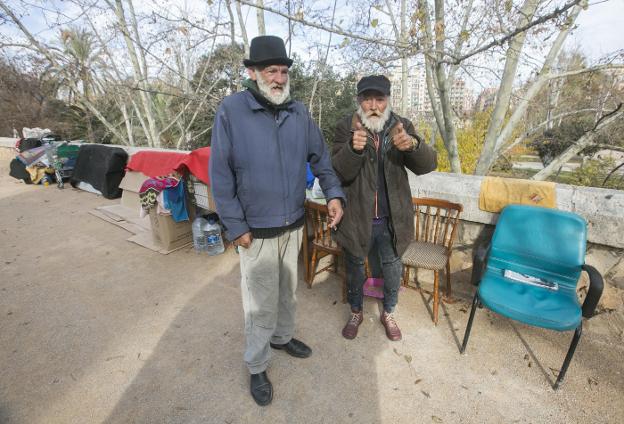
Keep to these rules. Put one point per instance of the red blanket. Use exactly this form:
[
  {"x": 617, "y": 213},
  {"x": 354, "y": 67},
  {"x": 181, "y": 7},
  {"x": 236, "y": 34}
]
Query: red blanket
[{"x": 157, "y": 163}]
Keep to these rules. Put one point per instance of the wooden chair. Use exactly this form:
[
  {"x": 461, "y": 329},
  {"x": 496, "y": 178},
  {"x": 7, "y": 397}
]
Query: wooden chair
[
  {"x": 435, "y": 227},
  {"x": 322, "y": 244}
]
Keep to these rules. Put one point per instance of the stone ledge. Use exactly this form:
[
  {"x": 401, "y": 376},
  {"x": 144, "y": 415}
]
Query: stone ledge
[{"x": 602, "y": 208}]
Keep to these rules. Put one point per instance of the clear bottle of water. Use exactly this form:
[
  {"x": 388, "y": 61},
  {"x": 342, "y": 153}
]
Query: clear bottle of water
[
  {"x": 214, "y": 241},
  {"x": 199, "y": 237}
]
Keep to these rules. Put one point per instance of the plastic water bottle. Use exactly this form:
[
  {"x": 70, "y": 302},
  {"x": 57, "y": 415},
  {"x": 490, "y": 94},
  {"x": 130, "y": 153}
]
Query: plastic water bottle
[
  {"x": 214, "y": 241},
  {"x": 199, "y": 237}
]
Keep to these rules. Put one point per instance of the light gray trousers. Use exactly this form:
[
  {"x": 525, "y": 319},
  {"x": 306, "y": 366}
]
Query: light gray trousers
[{"x": 268, "y": 285}]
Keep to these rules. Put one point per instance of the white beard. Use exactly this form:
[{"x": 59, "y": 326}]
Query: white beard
[
  {"x": 265, "y": 90},
  {"x": 374, "y": 123}
]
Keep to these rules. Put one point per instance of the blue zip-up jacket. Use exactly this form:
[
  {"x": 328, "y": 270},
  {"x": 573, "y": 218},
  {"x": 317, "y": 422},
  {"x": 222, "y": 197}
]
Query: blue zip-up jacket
[{"x": 258, "y": 164}]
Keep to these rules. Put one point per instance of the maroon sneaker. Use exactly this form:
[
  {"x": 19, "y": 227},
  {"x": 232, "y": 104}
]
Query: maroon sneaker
[
  {"x": 351, "y": 329},
  {"x": 392, "y": 329}
]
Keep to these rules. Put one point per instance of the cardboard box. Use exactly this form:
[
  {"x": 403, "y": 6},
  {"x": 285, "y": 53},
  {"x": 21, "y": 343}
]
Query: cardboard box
[
  {"x": 168, "y": 233},
  {"x": 203, "y": 195},
  {"x": 131, "y": 184}
]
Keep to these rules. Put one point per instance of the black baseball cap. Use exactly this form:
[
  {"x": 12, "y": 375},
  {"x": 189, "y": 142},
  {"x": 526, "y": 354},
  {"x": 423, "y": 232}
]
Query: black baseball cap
[{"x": 374, "y": 83}]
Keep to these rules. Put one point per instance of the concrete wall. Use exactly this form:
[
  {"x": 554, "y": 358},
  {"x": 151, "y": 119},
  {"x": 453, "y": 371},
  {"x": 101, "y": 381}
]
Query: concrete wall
[{"x": 603, "y": 209}]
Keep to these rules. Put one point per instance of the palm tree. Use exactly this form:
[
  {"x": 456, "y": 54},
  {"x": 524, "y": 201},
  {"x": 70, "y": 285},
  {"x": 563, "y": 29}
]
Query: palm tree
[{"x": 81, "y": 58}]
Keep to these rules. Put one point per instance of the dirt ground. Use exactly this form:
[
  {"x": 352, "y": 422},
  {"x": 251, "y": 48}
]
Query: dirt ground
[{"x": 95, "y": 329}]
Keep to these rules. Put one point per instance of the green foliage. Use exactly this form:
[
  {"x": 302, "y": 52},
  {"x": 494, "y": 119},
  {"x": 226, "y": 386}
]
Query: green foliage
[
  {"x": 469, "y": 142},
  {"x": 592, "y": 173},
  {"x": 219, "y": 73}
]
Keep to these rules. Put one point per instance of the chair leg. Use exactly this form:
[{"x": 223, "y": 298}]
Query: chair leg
[
  {"x": 312, "y": 267},
  {"x": 475, "y": 302},
  {"x": 448, "y": 280},
  {"x": 406, "y": 275},
  {"x": 436, "y": 296},
  {"x": 569, "y": 355}
]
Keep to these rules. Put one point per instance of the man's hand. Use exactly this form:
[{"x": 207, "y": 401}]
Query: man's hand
[
  {"x": 335, "y": 212},
  {"x": 359, "y": 138},
  {"x": 244, "y": 240},
  {"x": 403, "y": 141}
]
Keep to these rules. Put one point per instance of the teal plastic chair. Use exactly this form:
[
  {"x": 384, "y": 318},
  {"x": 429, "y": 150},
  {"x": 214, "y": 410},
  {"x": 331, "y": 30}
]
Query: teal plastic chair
[{"x": 530, "y": 271}]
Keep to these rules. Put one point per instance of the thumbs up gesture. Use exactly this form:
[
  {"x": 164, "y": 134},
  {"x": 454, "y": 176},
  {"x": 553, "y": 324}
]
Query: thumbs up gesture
[
  {"x": 403, "y": 141},
  {"x": 359, "y": 138}
]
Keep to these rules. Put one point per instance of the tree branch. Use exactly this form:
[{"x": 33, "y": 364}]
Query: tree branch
[
  {"x": 297, "y": 18},
  {"x": 500, "y": 41}
]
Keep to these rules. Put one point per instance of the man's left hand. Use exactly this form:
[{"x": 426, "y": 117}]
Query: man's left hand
[
  {"x": 402, "y": 140},
  {"x": 335, "y": 212}
]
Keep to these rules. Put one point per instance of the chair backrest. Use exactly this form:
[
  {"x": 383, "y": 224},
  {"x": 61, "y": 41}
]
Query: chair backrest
[
  {"x": 319, "y": 218},
  {"x": 541, "y": 242},
  {"x": 435, "y": 220}
]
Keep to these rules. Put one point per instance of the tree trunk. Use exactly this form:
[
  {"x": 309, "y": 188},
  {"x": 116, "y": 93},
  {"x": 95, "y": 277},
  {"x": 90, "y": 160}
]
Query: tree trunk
[
  {"x": 450, "y": 141},
  {"x": 260, "y": 17},
  {"x": 536, "y": 86},
  {"x": 139, "y": 77},
  {"x": 505, "y": 89},
  {"x": 404, "y": 74},
  {"x": 241, "y": 23}
]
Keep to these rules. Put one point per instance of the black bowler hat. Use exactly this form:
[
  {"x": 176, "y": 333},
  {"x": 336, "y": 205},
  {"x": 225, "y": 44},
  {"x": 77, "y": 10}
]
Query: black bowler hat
[
  {"x": 267, "y": 50},
  {"x": 374, "y": 82}
]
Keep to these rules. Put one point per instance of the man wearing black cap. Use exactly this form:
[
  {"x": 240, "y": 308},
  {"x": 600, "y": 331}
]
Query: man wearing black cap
[
  {"x": 261, "y": 141},
  {"x": 371, "y": 150}
]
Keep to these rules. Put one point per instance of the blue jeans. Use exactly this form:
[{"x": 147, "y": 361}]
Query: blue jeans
[{"x": 382, "y": 245}]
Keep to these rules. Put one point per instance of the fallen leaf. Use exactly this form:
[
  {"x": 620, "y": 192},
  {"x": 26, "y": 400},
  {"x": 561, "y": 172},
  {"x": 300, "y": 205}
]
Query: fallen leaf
[
  {"x": 554, "y": 371},
  {"x": 418, "y": 381},
  {"x": 427, "y": 395},
  {"x": 436, "y": 419},
  {"x": 408, "y": 358},
  {"x": 110, "y": 358}
]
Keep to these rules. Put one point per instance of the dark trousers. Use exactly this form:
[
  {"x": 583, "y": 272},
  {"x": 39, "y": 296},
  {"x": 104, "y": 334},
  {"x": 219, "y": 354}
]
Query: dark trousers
[{"x": 382, "y": 245}]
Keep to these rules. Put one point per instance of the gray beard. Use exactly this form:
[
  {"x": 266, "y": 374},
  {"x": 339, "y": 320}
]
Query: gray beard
[
  {"x": 374, "y": 124},
  {"x": 265, "y": 90}
]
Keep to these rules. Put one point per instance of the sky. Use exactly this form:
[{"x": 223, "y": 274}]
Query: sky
[{"x": 599, "y": 28}]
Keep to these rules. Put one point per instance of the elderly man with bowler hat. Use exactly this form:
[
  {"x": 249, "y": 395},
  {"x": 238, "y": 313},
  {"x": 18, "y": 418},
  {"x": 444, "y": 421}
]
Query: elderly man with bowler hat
[
  {"x": 372, "y": 149},
  {"x": 261, "y": 141}
]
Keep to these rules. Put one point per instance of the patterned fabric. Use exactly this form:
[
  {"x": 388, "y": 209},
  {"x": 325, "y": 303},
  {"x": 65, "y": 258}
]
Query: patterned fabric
[
  {"x": 151, "y": 188},
  {"x": 420, "y": 254}
]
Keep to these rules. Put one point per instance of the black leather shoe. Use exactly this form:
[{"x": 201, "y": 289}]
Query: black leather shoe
[
  {"x": 261, "y": 388},
  {"x": 295, "y": 348}
]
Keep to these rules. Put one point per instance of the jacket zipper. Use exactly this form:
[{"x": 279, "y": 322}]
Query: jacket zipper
[{"x": 279, "y": 153}]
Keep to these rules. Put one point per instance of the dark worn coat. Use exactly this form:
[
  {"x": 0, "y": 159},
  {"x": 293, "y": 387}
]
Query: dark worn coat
[{"x": 358, "y": 174}]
